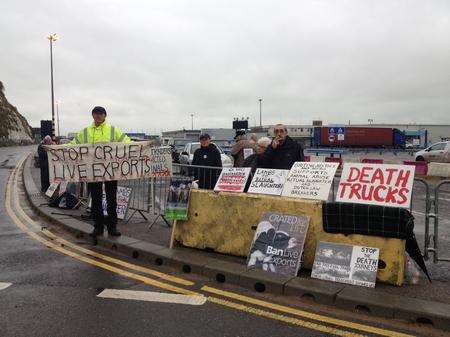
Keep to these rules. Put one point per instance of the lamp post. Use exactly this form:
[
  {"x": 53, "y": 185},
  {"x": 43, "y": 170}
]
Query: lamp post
[
  {"x": 192, "y": 121},
  {"x": 260, "y": 112},
  {"x": 57, "y": 116},
  {"x": 52, "y": 38}
]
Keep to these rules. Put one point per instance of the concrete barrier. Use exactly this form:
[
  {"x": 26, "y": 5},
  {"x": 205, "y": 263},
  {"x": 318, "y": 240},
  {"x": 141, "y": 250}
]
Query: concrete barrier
[{"x": 226, "y": 222}]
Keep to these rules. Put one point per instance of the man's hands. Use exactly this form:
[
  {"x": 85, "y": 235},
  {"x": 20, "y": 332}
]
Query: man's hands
[{"x": 276, "y": 142}]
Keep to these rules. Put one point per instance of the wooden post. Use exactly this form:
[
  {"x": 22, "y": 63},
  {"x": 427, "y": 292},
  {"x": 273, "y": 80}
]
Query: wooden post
[{"x": 172, "y": 236}]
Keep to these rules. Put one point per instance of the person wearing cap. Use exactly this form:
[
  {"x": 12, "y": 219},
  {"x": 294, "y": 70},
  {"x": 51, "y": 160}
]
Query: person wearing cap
[
  {"x": 206, "y": 155},
  {"x": 43, "y": 162},
  {"x": 242, "y": 149},
  {"x": 102, "y": 132}
]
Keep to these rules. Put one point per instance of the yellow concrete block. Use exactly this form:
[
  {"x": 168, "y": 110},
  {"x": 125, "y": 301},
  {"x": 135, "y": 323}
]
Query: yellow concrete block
[{"x": 223, "y": 222}]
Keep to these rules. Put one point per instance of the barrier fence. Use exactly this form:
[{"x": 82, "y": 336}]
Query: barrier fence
[{"x": 149, "y": 197}]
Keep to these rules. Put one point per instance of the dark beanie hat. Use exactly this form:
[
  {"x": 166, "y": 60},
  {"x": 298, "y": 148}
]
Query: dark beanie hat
[{"x": 99, "y": 110}]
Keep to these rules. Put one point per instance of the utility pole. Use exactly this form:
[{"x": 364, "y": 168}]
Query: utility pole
[
  {"x": 57, "y": 117},
  {"x": 260, "y": 112},
  {"x": 52, "y": 38},
  {"x": 192, "y": 121}
]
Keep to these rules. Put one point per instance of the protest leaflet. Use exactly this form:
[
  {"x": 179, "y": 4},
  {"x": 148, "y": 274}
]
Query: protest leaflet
[
  {"x": 232, "y": 179},
  {"x": 123, "y": 198},
  {"x": 268, "y": 181},
  {"x": 346, "y": 264},
  {"x": 310, "y": 180},
  {"x": 277, "y": 246},
  {"x": 376, "y": 184},
  {"x": 178, "y": 198},
  {"x": 108, "y": 161}
]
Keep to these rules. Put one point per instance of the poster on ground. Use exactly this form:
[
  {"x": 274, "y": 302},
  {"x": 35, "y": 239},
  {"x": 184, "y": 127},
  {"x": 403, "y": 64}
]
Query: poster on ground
[
  {"x": 310, "y": 180},
  {"x": 337, "y": 262},
  {"x": 178, "y": 198},
  {"x": 108, "y": 161},
  {"x": 232, "y": 179},
  {"x": 376, "y": 184},
  {"x": 123, "y": 199},
  {"x": 277, "y": 246},
  {"x": 51, "y": 189},
  {"x": 268, "y": 181}
]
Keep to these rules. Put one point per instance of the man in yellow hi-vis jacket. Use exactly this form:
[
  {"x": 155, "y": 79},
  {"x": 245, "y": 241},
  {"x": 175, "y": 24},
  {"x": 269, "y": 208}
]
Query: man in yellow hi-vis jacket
[{"x": 102, "y": 132}]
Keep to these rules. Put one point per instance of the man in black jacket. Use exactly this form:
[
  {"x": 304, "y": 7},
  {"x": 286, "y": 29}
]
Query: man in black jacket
[
  {"x": 283, "y": 152},
  {"x": 207, "y": 155}
]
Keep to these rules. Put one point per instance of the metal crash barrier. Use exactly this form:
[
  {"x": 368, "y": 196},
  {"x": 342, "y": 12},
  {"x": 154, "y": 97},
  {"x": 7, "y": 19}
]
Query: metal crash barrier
[{"x": 433, "y": 213}]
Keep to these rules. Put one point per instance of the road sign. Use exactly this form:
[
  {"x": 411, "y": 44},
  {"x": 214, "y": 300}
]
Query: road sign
[
  {"x": 340, "y": 131},
  {"x": 331, "y": 138},
  {"x": 340, "y": 136}
]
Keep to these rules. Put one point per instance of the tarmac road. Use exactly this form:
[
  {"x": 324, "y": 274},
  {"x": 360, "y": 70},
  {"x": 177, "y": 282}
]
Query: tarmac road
[{"x": 51, "y": 289}]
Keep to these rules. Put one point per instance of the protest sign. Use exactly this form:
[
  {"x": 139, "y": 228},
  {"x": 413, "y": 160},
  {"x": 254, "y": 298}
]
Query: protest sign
[
  {"x": 376, "y": 184},
  {"x": 277, "y": 246},
  {"x": 232, "y": 179},
  {"x": 51, "y": 189},
  {"x": 268, "y": 181},
  {"x": 123, "y": 198},
  {"x": 247, "y": 153},
  {"x": 311, "y": 180},
  {"x": 346, "y": 264},
  {"x": 108, "y": 161},
  {"x": 178, "y": 198}
]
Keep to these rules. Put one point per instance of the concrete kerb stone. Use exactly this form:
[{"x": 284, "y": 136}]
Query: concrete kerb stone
[
  {"x": 320, "y": 291},
  {"x": 223, "y": 271},
  {"x": 346, "y": 296},
  {"x": 263, "y": 281}
]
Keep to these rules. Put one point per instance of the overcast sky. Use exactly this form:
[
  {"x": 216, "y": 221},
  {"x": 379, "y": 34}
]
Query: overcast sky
[{"x": 152, "y": 63}]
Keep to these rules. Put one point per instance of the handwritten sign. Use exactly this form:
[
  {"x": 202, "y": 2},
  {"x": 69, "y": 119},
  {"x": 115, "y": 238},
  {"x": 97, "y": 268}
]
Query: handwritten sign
[
  {"x": 108, "y": 161},
  {"x": 376, "y": 184},
  {"x": 268, "y": 181},
  {"x": 310, "y": 180},
  {"x": 232, "y": 179},
  {"x": 356, "y": 265}
]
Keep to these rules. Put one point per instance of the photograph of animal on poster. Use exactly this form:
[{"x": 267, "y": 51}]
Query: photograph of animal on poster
[
  {"x": 278, "y": 243},
  {"x": 178, "y": 198},
  {"x": 346, "y": 264}
]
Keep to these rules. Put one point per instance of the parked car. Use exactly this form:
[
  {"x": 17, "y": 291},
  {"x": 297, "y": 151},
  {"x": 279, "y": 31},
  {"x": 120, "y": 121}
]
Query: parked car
[
  {"x": 187, "y": 155},
  {"x": 438, "y": 152}
]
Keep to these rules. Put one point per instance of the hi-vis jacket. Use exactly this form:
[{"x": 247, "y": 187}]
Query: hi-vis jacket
[{"x": 104, "y": 133}]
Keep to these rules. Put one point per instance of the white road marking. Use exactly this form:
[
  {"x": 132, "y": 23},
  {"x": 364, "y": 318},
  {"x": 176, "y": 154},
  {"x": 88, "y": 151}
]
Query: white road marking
[
  {"x": 151, "y": 296},
  {"x": 4, "y": 285}
]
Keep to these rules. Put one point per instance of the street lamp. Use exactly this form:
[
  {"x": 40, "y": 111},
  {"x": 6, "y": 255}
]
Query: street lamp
[
  {"x": 260, "y": 112},
  {"x": 57, "y": 116},
  {"x": 192, "y": 121},
  {"x": 52, "y": 38}
]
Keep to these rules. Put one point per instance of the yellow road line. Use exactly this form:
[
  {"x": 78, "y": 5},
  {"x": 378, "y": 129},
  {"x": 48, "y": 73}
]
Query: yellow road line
[
  {"x": 162, "y": 285},
  {"x": 102, "y": 265},
  {"x": 282, "y": 318},
  {"x": 302, "y": 313},
  {"x": 89, "y": 252}
]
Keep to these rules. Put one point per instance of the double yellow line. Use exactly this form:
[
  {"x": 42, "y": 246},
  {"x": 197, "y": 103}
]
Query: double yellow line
[{"x": 57, "y": 243}]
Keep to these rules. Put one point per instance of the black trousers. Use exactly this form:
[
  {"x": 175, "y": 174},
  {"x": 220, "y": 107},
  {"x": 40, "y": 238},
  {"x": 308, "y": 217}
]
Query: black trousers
[{"x": 96, "y": 190}]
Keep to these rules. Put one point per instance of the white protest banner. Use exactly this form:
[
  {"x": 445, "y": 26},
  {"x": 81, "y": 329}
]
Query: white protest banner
[
  {"x": 310, "y": 180},
  {"x": 232, "y": 179},
  {"x": 346, "y": 264},
  {"x": 108, "y": 161},
  {"x": 376, "y": 184},
  {"x": 268, "y": 181},
  {"x": 123, "y": 198},
  {"x": 439, "y": 170}
]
